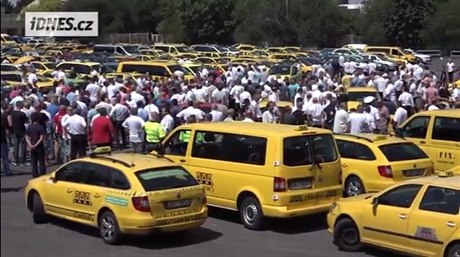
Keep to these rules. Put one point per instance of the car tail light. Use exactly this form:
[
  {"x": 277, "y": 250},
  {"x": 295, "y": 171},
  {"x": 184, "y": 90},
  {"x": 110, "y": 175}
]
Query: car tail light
[
  {"x": 141, "y": 203},
  {"x": 385, "y": 171},
  {"x": 279, "y": 184}
]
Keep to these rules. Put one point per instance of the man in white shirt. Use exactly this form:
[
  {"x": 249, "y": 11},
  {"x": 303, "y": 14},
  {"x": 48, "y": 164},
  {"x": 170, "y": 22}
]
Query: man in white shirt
[
  {"x": 316, "y": 113},
  {"x": 111, "y": 90},
  {"x": 191, "y": 110},
  {"x": 381, "y": 83},
  {"x": 357, "y": 121},
  {"x": 216, "y": 114},
  {"x": 341, "y": 119},
  {"x": 406, "y": 100},
  {"x": 75, "y": 125},
  {"x": 269, "y": 115},
  {"x": 93, "y": 90},
  {"x": 167, "y": 122},
  {"x": 135, "y": 125},
  {"x": 32, "y": 77},
  {"x": 450, "y": 70},
  {"x": 399, "y": 117}
]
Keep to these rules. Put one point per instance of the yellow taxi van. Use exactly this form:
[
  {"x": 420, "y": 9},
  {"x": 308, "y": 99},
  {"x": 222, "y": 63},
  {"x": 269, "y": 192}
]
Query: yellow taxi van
[
  {"x": 393, "y": 52},
  {"x": 438, "y": 134},
  {"x": 259, "y": 169}
]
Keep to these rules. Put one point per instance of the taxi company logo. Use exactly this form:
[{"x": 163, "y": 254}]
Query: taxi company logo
[{"x": 61, "y": 24}]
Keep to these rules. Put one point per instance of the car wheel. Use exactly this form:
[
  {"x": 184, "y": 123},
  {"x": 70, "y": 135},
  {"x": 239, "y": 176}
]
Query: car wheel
[
  {"x": 346, "y": 236},
  {"x": 353, "y": 186},
  {"x": 38, "y": 210},
  {"x": 251, "y": 214},
  {"x": 109, "y": 229},
  {"x": 454, "y": 251}
]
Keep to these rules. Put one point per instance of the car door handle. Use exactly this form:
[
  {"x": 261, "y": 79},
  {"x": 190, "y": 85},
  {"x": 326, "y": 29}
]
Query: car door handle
[
  {"x": 402, "y": 216},
  {"x": 182, "y": 160},
  {"x": 344, "y": 165},
  {"x": 422, "y": 142},
  {"x": 69, "y": 190},
  {"x": 97, "y": 195},
  {"x": 451, "y": 224}
]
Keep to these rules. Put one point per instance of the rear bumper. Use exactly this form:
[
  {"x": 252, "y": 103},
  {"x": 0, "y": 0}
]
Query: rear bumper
[{"x": 147, "y": 225}]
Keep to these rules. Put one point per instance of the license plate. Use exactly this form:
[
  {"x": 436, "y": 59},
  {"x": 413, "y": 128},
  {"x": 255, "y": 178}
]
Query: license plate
[
  {"x": 177, "y": 204},
  {"x": 297, "y": 185},
  {"x": 414, "y": 172}
]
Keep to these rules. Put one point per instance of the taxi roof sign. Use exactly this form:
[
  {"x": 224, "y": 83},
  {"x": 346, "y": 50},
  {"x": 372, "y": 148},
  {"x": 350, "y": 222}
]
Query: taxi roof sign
[
  {"x": 444, "y": 174},
  {"x": 103, "y": 150},
  {"x": 301, "y": 127}
]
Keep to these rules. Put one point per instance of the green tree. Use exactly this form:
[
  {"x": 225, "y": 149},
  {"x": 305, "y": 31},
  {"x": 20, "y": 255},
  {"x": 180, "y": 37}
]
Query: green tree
[
  {"x": 45, "y": 6},
  {"x": 443, "y": 29},
  {"x": 20, "y": 4},
  {"x": 407, "y": 20},
  {"x": 370, "y": 23},
  {"x": 170, "y": 25},
  {"x": 9, "y": 8}
]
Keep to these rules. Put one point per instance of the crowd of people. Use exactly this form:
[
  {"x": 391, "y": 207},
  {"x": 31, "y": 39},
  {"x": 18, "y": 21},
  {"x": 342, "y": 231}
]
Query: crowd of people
[{"x": 53, "y": 127}]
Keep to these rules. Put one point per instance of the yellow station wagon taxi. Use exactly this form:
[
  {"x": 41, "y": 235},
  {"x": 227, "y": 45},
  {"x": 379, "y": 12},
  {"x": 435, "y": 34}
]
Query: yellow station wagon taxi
[
  {"x": 419, "y": 217},
  {"x": 371, "y": 163},
  {"x": 123, "y": 193}
]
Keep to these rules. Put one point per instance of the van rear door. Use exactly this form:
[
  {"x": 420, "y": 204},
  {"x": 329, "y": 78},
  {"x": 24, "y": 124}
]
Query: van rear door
[
  {"x": 444, "y": 143},
  {"x": 309, "y": 161}
]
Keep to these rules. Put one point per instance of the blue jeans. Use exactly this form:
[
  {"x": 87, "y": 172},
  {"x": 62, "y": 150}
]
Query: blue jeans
[
  {"x": 5, "y": 160},
  {"x": 19, "y": 144}
]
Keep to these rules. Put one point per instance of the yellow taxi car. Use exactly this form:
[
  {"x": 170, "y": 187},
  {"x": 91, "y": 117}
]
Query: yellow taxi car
[
  {"x": 371, "y": 163},
  {"x": 437, "y": 133},
  {"x": 120, "y": 194},
  {"x": 419, "y": 217},
  {"x": 356, "y": 95},
  {"x": 16, "y": 78}
]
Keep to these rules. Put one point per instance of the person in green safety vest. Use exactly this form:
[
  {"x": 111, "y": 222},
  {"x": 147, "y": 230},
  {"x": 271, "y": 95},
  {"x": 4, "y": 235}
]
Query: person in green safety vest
[
  {"x": 184, "y": 135},
  {"x": 154, "y": 132}
]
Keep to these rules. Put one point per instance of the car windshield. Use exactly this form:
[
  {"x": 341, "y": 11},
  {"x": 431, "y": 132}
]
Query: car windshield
[
  {"x": 50, "y": 65},
  {"x": 131, "y": 49},
  {"x": 165, "y": 178},
  {"x": 402, "y": 152},
  {"x": 9, "y": 68},
  {"x": 359, "y": 96},
  {"x": 182, "y": 49}
]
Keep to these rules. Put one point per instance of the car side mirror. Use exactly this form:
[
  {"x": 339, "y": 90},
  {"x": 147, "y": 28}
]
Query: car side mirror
[
  {"x": 399, "y": 132},
  {"x": 53, "y": 179},
  {"x": 375, "y": 201}
]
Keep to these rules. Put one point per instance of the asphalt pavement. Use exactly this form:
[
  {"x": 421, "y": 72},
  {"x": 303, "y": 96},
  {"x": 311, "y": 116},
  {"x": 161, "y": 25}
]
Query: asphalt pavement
[{"x": 221, "y": 235}]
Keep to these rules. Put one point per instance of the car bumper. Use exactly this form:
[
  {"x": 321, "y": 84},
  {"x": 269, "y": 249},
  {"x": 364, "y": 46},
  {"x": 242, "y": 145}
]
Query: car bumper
[
  {"x": 145, "y": 225},
  {"x": 330, "y": 222}
]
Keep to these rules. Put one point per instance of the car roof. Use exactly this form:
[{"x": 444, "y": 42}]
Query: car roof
[
  {"x": 130, "y": 161},
  {"x": 81, "y": 63},
  {"x": 453, "y": 181},
  {"x": 448, "y": 113},
  {"x": 361, "y": 89},
  {"x": 262, "y": 129},
  {"x": 371, "y": 138}
]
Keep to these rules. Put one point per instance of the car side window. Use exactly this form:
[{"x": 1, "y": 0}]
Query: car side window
[
  {"x": 402, "y": 196},
  {"x": 356, "y": 151},
  {"x": 230, "y": 147},
  {"x": 395, "y": 52},
  {"x": 71, "y": 172},
  {"x": 98, "y": 174},
  {"x": 447, "y": 129},
  {"x": 177, "y": 144},
  {"x": 442, "y": 200},
  {"x": 119, "y": 180},
  {"x": 417, "y": 127}
]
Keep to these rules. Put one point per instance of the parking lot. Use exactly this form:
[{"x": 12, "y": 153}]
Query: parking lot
[{"x": 222, "y": 234}]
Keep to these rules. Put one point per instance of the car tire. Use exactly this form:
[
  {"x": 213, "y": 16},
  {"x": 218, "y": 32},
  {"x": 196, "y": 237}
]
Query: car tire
[
  {"x": 454, "y": 251},
  {"x": 39, "y": 215},
  {"x": 109, "y": 229},
  {"x": 251, "y": 214},
  {"x": 353, "y": 186},
  {"x": 346, "y": 236}
]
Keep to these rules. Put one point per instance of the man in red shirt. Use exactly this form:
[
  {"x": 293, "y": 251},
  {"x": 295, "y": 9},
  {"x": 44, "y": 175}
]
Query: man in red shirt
[
  {"x": 102, "y": 129},
  {"x": 58, "y": 140}
]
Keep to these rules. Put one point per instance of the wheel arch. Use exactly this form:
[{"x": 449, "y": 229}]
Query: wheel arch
[
  {"x": 30, "y": 199},
  {"x": 447, "y": 248},
  {"x": 102, "y": 210},
  {"x": 242, "y": 195}
]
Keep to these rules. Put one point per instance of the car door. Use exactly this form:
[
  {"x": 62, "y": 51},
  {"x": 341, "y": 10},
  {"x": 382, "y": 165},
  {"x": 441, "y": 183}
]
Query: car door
[
  {"x": 89, "y": 196},
  {"x": 59, "y": 195},
  {"x": 416, "y": 130},
  {"x": 443, "y": 143},
  {"x": 385, "y": 222},
  {"x": 435, "y": 221},
  {"x": 176, "y": 146}
]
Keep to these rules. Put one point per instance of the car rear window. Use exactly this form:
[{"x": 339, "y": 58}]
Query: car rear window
[
  {"x": 302, "y": 150},
  {"x": 165, "y": 178},
  {"x": 402, "y": 152}
]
